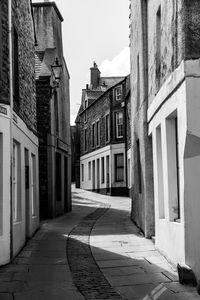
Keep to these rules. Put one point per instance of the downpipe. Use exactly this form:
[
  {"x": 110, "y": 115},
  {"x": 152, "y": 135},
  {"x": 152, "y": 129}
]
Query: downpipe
[{"x": 11, "y": 119}]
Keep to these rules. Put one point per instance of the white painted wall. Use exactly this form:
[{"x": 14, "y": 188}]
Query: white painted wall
[
  {"x": 169, "y": 234},
  {"x": 110, "y": 150},
  {"x": 192, "y": 167},
  {"x": 179, "y": 241},
  {"x": 28, "y": 140},
  {"x": 5, "y": 190},
  {"x": 90, "y": 157}
]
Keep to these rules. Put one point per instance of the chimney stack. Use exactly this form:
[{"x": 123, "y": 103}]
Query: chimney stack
[{"x": 95, "y": 76}]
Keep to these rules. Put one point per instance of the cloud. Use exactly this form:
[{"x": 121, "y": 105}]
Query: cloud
[{"x": 118, "y": 66}]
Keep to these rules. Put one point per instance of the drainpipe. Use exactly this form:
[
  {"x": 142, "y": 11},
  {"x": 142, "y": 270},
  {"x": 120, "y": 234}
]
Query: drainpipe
[{"x": 11, "y": 118}]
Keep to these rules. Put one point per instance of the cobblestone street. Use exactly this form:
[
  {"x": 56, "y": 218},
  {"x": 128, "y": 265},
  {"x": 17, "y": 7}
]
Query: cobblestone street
[{"x": 94, "y": 252}]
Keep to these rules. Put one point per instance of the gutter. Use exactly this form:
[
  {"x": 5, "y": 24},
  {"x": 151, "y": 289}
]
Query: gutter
[{"x": 11, "y": 118}]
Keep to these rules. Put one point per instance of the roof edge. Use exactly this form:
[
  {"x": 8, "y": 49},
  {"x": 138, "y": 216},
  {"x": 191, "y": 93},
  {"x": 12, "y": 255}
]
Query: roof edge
[
  {"x": 120, "y": 82},
  {"x": 53, "y": 4}
]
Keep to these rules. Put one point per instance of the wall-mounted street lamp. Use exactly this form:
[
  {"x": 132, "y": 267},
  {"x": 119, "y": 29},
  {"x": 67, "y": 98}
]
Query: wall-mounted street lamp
[{"x": 56, "y": 70}]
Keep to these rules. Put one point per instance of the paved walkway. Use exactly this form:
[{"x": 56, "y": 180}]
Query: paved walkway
[{"x": 94, "y": 252}]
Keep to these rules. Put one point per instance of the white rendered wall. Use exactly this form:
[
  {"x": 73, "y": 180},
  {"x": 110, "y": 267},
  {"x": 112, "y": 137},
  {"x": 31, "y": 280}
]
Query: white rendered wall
[
  {"x": 110, "y": 151},
  {"x": 169, "y": 234},
  {"x": 93, "y": 156},
  {"x": 5, "y": 190},
  {"x": 192, "y": 167},
  {"x": 180, "y": 241},
  {"x": 26, "y": 139}
]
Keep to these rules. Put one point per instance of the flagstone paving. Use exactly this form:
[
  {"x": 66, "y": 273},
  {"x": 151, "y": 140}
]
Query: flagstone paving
[{"x": 94, "y": 252}]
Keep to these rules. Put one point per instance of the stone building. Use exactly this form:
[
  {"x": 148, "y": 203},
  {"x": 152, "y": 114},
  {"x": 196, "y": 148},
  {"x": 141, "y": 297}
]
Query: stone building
[
  {"x": 171, "y": 44},
  {"x": 101, "y": 122},
  {"x": 19, "y": 206},
  {"x": 53, "y": 112},
  {"x": 142, "y": 167}
]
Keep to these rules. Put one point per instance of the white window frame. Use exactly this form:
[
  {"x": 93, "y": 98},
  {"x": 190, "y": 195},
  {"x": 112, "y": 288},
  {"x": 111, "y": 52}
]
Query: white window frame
[
  {"x": 107, "y": 127},
  {"x": 118, "y": 123},
  {"x": 89, "y": 171},
  {"x": 119, "y": 167},
  {"x": 82, "y": 172},
  {"x": 118, "y": 93},
  {"x": 98, "y": 133},
  {"x": 85, "y": 140},
  {"x": 93, "y": 135}
]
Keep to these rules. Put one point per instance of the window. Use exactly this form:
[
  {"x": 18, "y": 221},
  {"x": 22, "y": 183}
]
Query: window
[
  {"x": 85, "y": 116},
  {"x": 89, "y": 170},
  {"x": 118, "y": 93},
  {"x": 33, "y": 185},
  {"x": 85, "y": 139},
  {"x": 119, "y": 167},
  {"x": 102, "y": 170},
  {"x": 56, "y": 112},
  {"x": 98, "y": 133},
  {"x": 82, "y": 171},
  {"x": 139, "y": 170},
  {"x": 158, "y": 47},
  {"x": 129, "y": 173},
  {"x": 15, "y": 66},
  {"x": 93, "y": 135},
  {"x": 173, "y": 167},
  {"x": 86, "y": 103},
  {"x": 107, "y": 121},
  {"x": 119, "y": 124},
  {"x": 161, "y": 206},
  {"x": 16, "y": 182}
]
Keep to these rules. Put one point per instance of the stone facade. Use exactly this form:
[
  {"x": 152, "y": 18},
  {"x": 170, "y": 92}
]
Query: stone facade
[
  {"x": 99, "y": 134},
  {"x": 165, "y": 48},
  {"x": 4, "y": 60},
  {"x": 25, "y": 105},
  {"x": 142, "y": 171},
  {"x": 19, "y": 201},
  {"x": 53, "y": 113}
]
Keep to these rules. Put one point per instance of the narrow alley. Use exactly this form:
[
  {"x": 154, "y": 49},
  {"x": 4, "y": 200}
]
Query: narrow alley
[{"x": 94, "y": 252}]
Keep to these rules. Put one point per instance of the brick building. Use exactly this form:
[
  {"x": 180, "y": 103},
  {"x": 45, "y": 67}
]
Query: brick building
[
  {"x": 53, "y": 112},
  {"x": 19, "y": 207},
  {"x": 168, "y": 58},
  {"x": 102, "y": 128}
]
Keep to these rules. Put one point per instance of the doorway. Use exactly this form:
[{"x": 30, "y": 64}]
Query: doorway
[
  {"x": 27, "y": 193},
  {"x": 93, "y": 175},
  {"x": 107, "y": 174}
]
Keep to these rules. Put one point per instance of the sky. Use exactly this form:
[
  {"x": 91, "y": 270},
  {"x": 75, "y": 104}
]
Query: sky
[{"x": 94, "y": 30}]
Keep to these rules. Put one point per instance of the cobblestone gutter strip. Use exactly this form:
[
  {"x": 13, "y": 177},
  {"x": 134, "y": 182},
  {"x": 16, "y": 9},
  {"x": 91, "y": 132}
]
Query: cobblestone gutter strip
[{"x": 86, "y": 274}]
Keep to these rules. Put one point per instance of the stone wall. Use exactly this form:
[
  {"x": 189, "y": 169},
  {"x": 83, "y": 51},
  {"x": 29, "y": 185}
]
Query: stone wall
[
  {"x": 25, "y": 106},
  {"x": 43, "y": 126},
  {"x": 96, "y": 112},
  {"x": 180, "y": 34},
  {"x": 106, "y": 104},
  {"x": 4, "y": 58},
  {"x": 142, "y": 167}
]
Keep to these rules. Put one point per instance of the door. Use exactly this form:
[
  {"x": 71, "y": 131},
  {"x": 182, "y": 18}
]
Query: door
[
  {"x": 93, "y": 175},
  {"x": 98, "y": 176},
  {"x": 107, "y": 174},
  {"x": 66, "y": 198},
  {"x": 27, "y": 189}
]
